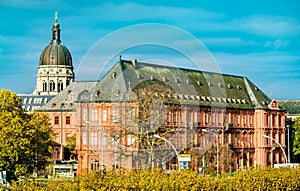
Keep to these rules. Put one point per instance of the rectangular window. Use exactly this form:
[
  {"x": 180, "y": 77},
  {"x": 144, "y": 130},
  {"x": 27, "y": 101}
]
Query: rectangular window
[
  {"x": 237, "y": 138},
  {"x": 267, "y": 140},
  {"x": 115, "y": 116},
  {"x": 196, "y": 118},
  {"x": 104, "y": 139},
  {"x": 250, "y": 119},
  {"x": 56, "y": 120},
  {"x": 182, "y": 116},
  {"x": 104, "y": 115},
  {"x": 168, "y": 117},
  {"x": 279, "y": 120},
  {"x": 279, "y": 138},
  {"x": 218, "y": 118},
  {"x": 268, "y": 158},
  {"x": 68, "y": 120},
  {"x": 130, "y": 139},
  {"x": 206, "y": 116},
  {"x": 84, "y": 138},
  {"x": 212, "y": 118},
  {"x": 251, "y": 138},
  {"x": 114, "y": 141},
  {"x": 175, "y": 120},
  {"x": 230, "y": 140},
  {"x": 268, "y": 119},
  {"x": 131, "y": 114},
  {"x": 244, "y": 120},
  {"x": 94, "y": 136},
  {"x": 94, "y": 115},
  {"x": 274, "y": 117},
  {"x": 56, "y": 137},
  {"x": 84, "y": 115},
  {"x": 191, "y": 116}
]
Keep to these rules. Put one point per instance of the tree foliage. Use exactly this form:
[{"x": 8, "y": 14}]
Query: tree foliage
[
  {"x": 225, "y": 159},
  {"x": 296, "y": 133},
  {"x": 70, "y": 148},
  {"x": 142, "y": 117},
  {"x": 25, "y": 138},
  {"x": 253, "y": 179}
]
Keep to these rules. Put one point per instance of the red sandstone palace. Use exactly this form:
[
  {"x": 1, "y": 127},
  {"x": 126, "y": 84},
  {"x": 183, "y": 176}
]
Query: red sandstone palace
[
  {"x": 106, "y": 117},
  {"x": 117, "y": 119}
]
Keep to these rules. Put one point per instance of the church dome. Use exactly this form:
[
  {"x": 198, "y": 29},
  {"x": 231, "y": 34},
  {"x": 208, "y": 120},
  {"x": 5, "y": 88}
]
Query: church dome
[{"x": 56, "y": 53}]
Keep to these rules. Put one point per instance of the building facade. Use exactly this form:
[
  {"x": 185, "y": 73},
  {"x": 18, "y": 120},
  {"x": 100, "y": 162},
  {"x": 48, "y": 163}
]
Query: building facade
[
  {"x": 63, "y": 117},
  {"x": 230, "y": 108}
]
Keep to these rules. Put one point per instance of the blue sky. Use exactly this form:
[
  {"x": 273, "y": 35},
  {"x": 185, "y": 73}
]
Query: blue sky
[{"x": 257, "y": 39}]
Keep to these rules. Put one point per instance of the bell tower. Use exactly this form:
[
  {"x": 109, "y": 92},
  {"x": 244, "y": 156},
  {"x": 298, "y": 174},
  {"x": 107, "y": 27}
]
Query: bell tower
[{"x": 55, "y": 70}]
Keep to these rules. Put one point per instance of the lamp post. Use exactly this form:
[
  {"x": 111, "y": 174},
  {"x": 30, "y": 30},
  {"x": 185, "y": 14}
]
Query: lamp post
[
  {"x": 88, "y": 143},
  {"x": 205, "y": 131},
  {"x": 279, "y": 145},
  {"x": 289, "y": 154},
  {"x": 159, "y": 137}
]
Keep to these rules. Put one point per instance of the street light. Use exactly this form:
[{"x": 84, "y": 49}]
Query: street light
[
  {"x": 205, "y": 131},
  {"x": 159, "y": 137},
  {"x": 289, "y": 154},
  {"x": 279, "y": 145}
]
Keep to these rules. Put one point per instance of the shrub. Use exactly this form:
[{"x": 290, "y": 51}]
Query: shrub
[{"x": 253, "y": 179}]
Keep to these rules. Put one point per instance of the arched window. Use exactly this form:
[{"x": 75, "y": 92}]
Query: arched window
[
  {"x": 52, "y": 86},
  {"x": 44, "y": 86},
  {"x": 60, "y": 86}
]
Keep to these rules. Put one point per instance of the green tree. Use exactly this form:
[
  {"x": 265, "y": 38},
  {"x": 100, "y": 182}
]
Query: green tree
[
  {"x": 25, "y": 138},
  {"x": 296, "y": 134},
  {"x": 151, "y": 100},
  {"x": 225, "y": 157},
  {"x": 70, "y": 148}
]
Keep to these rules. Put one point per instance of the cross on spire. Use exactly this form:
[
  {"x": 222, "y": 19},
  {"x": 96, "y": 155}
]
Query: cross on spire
[{"x": 56, "y": 17}]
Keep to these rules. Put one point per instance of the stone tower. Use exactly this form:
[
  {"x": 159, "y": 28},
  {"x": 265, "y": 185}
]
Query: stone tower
[{"x": 55, "y": 70}]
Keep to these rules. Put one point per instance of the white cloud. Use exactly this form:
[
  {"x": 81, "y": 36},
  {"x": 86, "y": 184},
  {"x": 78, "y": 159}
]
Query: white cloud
[
  {"x": 129, "y": 11},
  {"x": 228, "y": 42},
  {"x": 269, "y": 25},
  {"x": 31, "y": 4},
  {"x": 259, "y": 64},
  {"x": 261, "y": 25},
  {"x": 277, "y": 44}
]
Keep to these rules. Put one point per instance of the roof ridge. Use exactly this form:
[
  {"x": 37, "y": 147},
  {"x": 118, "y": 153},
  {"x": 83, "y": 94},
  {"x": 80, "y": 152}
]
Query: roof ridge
[
  {"x": 251, "y": 94},
  {"x": 177, "y": 67}
]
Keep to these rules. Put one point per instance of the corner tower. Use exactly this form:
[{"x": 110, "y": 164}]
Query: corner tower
[{"x": 55, "y": 70}]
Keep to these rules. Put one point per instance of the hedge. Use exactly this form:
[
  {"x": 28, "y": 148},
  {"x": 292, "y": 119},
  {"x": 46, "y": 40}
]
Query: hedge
[{"x": 254, "y": 179}]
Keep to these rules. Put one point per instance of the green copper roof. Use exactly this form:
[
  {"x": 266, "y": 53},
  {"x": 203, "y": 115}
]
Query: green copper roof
[{"x": 188, "y": 86}]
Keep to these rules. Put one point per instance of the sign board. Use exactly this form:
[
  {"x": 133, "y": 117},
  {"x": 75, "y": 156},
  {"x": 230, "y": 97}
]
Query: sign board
[
  {"x": 2, "y": 177},
  {"x": 184, "y": 157},
  {"x": 291, "y": 165},
  {"x": 184, "y": 165}
]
